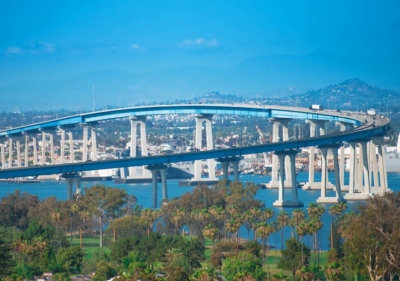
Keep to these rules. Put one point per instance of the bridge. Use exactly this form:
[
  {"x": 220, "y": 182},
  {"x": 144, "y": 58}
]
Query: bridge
[{"x": 361, "y": 132}]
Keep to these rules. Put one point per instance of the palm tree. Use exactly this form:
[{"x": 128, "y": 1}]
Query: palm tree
[
  {"x": 304, "y": 274},
  {"x": 205, "y": 274},
  {"x": 210, "y": 232},
  {"x": 297, "y": 218},
  {"x": 233, "y": 226},
  {"x": 217, "y": 214},
  {"x": 85, "y": 215},
  {"x": 178, "y": 217},
  {"x": 56, "y": 216},
  {"x": 264, "y": 230},
  {"x": 74, "y": 209},
  {"x": 248, "y": 220},
  {"x": 40, "y": 245},
  {"x": 283, "y": 221},
  {"x": 302, "y": 229},
  {"x": 150, "y": 217},
  {"x": 255, "y": 215},
  {"x": 335, "y": 211},
  {"x": 315, "y": 210},
  {"x": 314, "y": 225},
  {"x": 266, "y": 214}
]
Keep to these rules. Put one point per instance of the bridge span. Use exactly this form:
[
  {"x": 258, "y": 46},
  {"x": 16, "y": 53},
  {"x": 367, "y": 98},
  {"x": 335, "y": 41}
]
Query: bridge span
[{"x": 367, "y": 175}]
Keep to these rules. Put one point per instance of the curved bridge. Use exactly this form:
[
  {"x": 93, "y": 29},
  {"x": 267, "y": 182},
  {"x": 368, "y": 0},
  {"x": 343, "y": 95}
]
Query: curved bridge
[{"x": 364, "y": 128}]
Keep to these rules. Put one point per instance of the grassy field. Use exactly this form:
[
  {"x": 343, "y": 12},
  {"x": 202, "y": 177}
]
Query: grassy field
[{"x": 90, "y": 244}]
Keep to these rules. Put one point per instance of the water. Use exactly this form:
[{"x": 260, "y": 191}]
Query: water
[{"x": 143, "y": 193}]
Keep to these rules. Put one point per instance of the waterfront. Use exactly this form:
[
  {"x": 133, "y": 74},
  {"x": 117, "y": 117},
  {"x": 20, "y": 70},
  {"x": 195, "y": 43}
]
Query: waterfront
[{"x": 143, "y": 193}]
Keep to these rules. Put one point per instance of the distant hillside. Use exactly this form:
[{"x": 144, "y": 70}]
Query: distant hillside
[
  {"x": 274, "y": 76},
  {"x": 352, "y": 94}
]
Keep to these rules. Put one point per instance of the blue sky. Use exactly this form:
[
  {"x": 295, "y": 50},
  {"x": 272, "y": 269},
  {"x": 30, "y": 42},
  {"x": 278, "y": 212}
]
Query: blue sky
[{"x": 42, "y": 40}]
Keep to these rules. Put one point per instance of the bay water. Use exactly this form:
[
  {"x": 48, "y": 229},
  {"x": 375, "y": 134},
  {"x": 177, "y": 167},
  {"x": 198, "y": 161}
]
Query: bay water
[{"x": 143, "y": 193}]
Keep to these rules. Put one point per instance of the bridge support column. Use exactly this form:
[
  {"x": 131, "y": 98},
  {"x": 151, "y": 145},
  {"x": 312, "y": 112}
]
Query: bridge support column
[
  {"x": 324, "y": 177},
  {"x": 288, "y": 160},
  {"x": 35, "y": 155},
  {"x": 94, "y": 144},
  {"x": 18, "y": 145},
  {"x": 225, "y": 167},
  {"x": 71, "y": 148},
  {"x": 281, "y": 202},
  {"x": 69, "y": 182},
  {"x": 311, "y": 184},
  {"x": 84, "y": 143},
  {"x": 138, "y": 172},
  {"x": 26, "y": 154},
  {"x": 367, "y": 183},
  {"x": 382, "y": 166},
  {"x": 164, "y": 189},
  {"x": 342, "y": 128},
  {"x": 211, "y": 179},
  {"x": 353, "y": 159},
  {"x": 43, "y": 148},
  {"x": 51, "y": 137},
  {"x": 225, "y": 171},
  {"x": 10, "y": 152},
  {"x": 235, "y": 165},
  {"x": 94, "y": 155},
  {"x": 3, "y": 157},
  {"x": 374, "y": 165},
  {"x": 163, "y": 171},
  {"x": 275, "y": 138},
  {"x": 311, "y": 156},
  {"x": 62, "y": 146},
  {"x": 70, "y": 179},
  {"x": 275, "y": 160},
  {"x": 323, "y": 199},
  {"x": 362, "y": 189}
]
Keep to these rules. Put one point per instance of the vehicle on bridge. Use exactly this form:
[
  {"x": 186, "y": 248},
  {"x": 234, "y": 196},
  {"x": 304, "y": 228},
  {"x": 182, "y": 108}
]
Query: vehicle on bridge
[{"x": 316, "y": 107}]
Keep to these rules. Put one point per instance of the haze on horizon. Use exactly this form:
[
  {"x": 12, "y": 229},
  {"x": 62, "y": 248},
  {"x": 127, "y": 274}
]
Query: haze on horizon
[{"x": 48, "y": 42}]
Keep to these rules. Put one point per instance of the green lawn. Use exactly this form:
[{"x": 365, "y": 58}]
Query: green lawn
[{"x": 90, "y": 244}]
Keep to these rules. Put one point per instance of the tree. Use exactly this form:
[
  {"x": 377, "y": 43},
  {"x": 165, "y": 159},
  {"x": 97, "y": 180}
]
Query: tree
[
  {"x": 292, "y": 256},
  {"x": 210, "y": 232},
  {"x": 205, "y": 274},
  {"x": 150, "y": 216},
  {"x": 6, "y": 259},
  {"x": 335, "y": 210},
  {"x": 178, "y": 217},
  {"x": 334, "y": 272},
  {"x": 15, "y": 207},
  {"x": 70, "y": 258},
  {"x": 372, "y": 238},
  {"x": 89, "y": 265},
  {"x": 264, "y": 230},
  {"x": 297, "y": 218},
  {"x": 243, "y": 264},
  {"x": 104, "y": 203},
  {"x": 104, "y": 271},
  {"x": 283, "y": 220},
  {"x": 314, "y": 225},
  {"x": 315, "y": 211},
  {"x": 302, "y": 229},
  {"x": 304, "y": 274}
]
